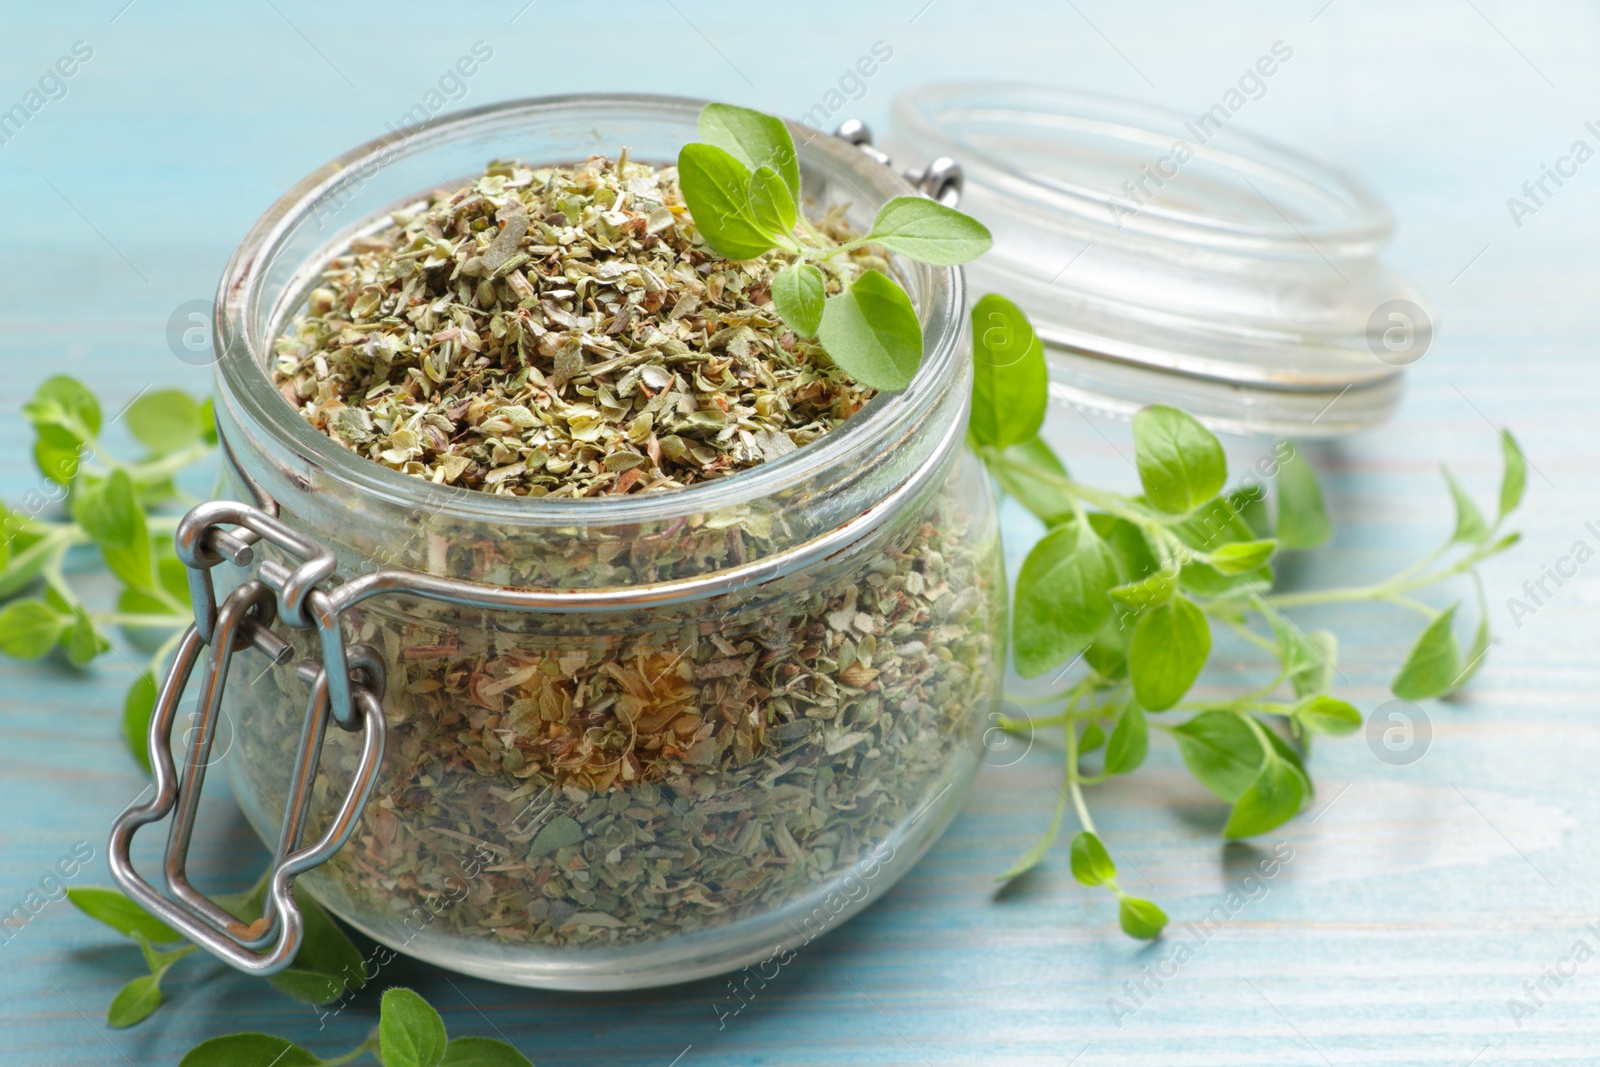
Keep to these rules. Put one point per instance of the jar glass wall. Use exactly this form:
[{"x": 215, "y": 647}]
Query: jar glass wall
[{"x": 645, "y": 793}]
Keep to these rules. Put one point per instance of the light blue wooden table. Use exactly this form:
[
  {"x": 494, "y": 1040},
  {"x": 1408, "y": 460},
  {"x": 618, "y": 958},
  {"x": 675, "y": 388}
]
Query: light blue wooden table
[{"x": 1419, "y": 898}]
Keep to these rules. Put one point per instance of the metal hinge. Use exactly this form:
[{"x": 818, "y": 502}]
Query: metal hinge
[{"x": 942, "y": 179}]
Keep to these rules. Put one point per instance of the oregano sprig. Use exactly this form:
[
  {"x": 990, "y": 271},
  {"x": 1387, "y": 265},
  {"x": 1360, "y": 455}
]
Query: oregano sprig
[
  {"x": 91, "y": 497},
  {"x": 327, "y": 966},
  {"x": 410, "y": 1033},
  {"x": 742, "y": 186},
  {"x": 1136, "y": 585}
]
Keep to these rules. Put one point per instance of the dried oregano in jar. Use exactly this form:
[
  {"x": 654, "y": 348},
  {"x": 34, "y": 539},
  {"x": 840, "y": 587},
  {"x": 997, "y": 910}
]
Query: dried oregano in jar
[
  {"x": 560, "y": 331},
  {"x": 554, "y": 782}
]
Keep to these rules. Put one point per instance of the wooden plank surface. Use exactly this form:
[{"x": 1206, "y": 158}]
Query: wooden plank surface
[{"x": 1418, "y": 899}]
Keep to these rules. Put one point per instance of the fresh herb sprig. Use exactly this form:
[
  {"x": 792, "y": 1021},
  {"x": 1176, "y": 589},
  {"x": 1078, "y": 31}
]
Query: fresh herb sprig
[
  {"x": 1133, "y": 587},
  {"x": 327, "y": 966},
  {"x": 742, "y": 186},
  {"x": 410, "y": 1033},
  {"x": 119, "y": 506}
]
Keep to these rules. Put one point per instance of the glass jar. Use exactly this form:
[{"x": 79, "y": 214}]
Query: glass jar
[
  {"x": 1177, "y": 259},
  {"x": 632, "y": 740}
]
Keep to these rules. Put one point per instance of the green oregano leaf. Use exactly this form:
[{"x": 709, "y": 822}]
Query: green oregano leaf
[
  {"x": 109, "y": 510},
  {"x": 1326, "y": 715},
  {"x": 1130, "y": 740},
  {"x": 798, "y": 293},
  {"x": 30, "y": 628},
  {"x": 1431, "y": 668},
  {"x": 872, "y": 333},
  {"x": 326, "y": 950},
  {"x": 136, "y": 709},
  {"x": 1170, "y": 644},
  {"x": 1272, "y": 798},
  {"x": 1515, "y": 479},
  {"x": 1308, "y": 658},
  {"x": 249, "y": 1050},
  {"x": 135, "y": 1001},
  {"x": 114, "y": 909},
  {"x": 1093, "y": 737},
  {"x": 1286, "y": 752},
  {"x": 717, "y": 189},
  {"x": 1302, "y": 519},
  {"x": 1220, "y": 750},
  {"x": 164, "y": 420},
  {"x": 1132, "y": 549},
  {"x": 1181, "y": 463},
  {"x": 482, "y": 1052},
  {"x": 61, "y": 464},
  {"x": 1042, "y": 497},
  {"x": 1030, "y": 859},
  {"x": 66, "y": 403},
  {"x": 1147, "y": 592},
  {"x": 171, "y": 573},
  {"x": 1250, "y": 504},
  {"x": 1241, "y": 557},
  {"x": 1107, "y": 654},
  {"x": 1061, "y": 596},
  {"x": 770, "y": 203},
  {"x": 1471, "y": 529},
  {"x": 1140, "y": 918},
  {"x": 81, "y": 641},
  {"x": 1010, "y": 382},
  {"x": 66, "y": 419},
  {"x": 207, "y": 417},
  {"x": 327, "y": 965},
  {"x": 927, "y": 231},
  {"x": 111, "y": 513},
  {"x": 754, "y": 139},
  {"x": 410, "y": 1032},
  {"x": 1475, "y": 654},
  {"x": 1091, "y": 863}
]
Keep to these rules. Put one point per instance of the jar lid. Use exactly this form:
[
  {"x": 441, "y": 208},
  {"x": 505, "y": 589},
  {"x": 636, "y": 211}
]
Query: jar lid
[{"x": 1173, "y": 258}]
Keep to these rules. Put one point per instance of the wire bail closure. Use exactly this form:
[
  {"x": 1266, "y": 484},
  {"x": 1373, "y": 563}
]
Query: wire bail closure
[
  {"x": 942, "y": 179},
  {"x": 345, "y": 689}
]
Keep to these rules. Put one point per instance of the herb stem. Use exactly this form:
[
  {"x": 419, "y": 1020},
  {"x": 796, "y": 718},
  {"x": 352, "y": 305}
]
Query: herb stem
[
  {"x": 1111, "y": 503},
  {"x": 1021, "y": 726},
  {"x": 1257, "y": 729},
  {"x": 1397, "y": 584},
  {"x": 158, "y": 661},
  {"x": 55, "y": 579},
  {"x": 818, "y": 238},
  {"x": 1420, "y": 565},
  {"x": 64, "y": 535},
  {"x": 1414, "y": 605},
  {"x": 1243, "y": 631},
  {"x": 1073, "y": 775},
  {"x": 848, "y": 246},
  {"x": 1035, "y": 701},
  {"x": 369, "y": 1045},
  {"x": 117, "y": 618},
  {"x": 163, "y": 467}
]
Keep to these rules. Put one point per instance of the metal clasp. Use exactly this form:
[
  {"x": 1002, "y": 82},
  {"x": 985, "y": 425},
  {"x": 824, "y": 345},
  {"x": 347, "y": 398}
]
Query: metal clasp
[
  {"x": 942, "y": 179},
  {"x": 345, "y": 689}
]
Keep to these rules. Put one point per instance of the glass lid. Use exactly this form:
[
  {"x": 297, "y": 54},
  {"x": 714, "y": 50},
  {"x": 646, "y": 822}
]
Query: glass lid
[{"x": 1173, "y": 258}]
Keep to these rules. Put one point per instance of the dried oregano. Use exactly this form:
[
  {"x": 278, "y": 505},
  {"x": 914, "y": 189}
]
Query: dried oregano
[{"x": 562, "y": 331}]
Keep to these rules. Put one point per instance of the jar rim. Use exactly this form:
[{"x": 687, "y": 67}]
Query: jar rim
[{"x": 243, "y": 350}]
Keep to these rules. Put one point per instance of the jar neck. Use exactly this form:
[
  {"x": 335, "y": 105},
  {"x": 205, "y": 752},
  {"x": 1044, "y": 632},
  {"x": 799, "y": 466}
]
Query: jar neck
[{"x": 379, "y": 517}]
